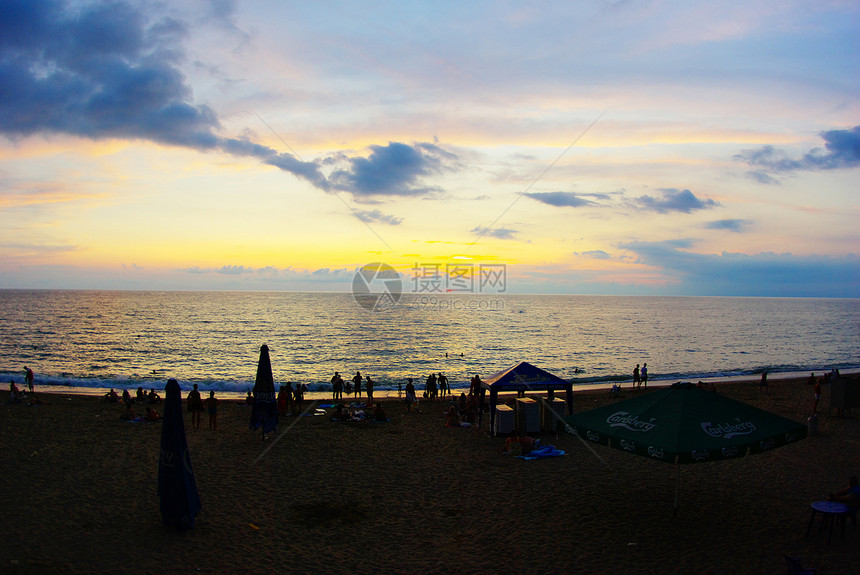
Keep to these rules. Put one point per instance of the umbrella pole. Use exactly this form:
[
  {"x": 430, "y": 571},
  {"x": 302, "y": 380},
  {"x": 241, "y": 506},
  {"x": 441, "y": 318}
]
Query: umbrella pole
[{"x": 677, "y": 487}]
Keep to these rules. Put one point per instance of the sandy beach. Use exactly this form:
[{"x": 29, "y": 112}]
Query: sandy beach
[{"x": 410, "y": 496}]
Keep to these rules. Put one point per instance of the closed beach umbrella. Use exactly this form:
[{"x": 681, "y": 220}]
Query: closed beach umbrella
[
  {"x": 685, "y": 424},
  {"x": 265, "y": 411},
  {"x": 177, "y": 488}
]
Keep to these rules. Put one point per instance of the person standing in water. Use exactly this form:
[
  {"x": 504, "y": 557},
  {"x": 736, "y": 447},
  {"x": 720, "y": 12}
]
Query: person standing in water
[
  {"x": 644, "y": 374},
  {"x": 636, "y": 381}
]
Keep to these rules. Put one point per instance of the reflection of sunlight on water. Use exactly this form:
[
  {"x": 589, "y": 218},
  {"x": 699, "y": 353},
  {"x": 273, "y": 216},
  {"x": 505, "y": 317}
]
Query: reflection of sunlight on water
[{"x": 126, "y": 339}]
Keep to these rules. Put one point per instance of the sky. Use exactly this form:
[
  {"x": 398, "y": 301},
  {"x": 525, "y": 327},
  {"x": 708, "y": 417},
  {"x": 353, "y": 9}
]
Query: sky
[{"x": 581, "y": 147}]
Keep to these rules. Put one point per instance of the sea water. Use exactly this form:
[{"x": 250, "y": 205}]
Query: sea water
[{"x": 127, "y": 339}]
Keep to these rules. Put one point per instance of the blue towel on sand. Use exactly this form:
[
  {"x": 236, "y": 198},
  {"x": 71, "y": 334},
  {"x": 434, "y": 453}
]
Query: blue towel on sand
[{"x": 542, "y": 452}]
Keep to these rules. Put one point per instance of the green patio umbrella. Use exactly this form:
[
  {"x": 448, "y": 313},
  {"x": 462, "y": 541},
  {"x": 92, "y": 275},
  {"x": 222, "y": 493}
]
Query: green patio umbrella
[{"x": 684, "y": 424}]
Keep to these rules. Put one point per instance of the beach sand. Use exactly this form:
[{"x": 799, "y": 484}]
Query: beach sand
[{"x": 410, "y": 496}]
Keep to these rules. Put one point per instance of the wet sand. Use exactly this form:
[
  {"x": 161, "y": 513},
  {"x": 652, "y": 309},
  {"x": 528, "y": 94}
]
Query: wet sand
[{"x": 410, "y": 496}]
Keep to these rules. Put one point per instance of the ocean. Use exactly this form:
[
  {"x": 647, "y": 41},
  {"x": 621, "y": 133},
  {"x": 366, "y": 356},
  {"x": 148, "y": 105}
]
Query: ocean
[{"x": 96, "y": 340}]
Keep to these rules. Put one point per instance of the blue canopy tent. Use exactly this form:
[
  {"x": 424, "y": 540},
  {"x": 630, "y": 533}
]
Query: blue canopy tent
[{"x": 521, "y": 378}]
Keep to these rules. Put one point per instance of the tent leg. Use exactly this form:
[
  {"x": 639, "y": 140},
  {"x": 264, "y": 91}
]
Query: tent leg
[{"x": 677, "y": 487}]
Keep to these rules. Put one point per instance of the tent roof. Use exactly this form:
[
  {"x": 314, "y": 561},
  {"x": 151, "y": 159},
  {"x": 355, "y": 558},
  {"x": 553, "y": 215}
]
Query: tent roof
[
  {"x": 685, "y": 423},
  {"x": 524, "y": 377}
]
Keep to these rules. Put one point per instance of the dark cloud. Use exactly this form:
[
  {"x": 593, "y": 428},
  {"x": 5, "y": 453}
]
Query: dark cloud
[
  {"x": 731, "y": 225},
  {"x": 561, "y": 199},
  {"x": 498, "y": 233},
  {"x": 841, "y": 150},
  {"x": 102, "y": 71},
  {"x": 106, "y": 71},
  {"x": 764, "y": 274},
  {"x": 675, "y": 200},
  {"x": 374, "y": 216},
  {"x": 392, "y": 170}
]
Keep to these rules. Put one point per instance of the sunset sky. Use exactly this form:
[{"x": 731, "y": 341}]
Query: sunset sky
[{"x": 628, "y": 147}]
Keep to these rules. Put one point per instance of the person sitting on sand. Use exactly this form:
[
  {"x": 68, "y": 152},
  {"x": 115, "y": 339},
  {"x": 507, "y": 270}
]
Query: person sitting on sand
[
  {"x": 127, "y": 413},
  {"x": 111, "y": 397},
  {"x": 249, "y": 399},
  {"x": 471, "y": 409},
  {"x": 451, "y": 417},
  {"x": 151, "y": 414},
  {"x": 153, "y": 397},
  {"x": 340, "y": 414},
  {"x": 849, "y": 496},
  {"x": 14, "y": 393},
  {"x": 379, "y": 413},
  {"x": 141, "y": 396}
]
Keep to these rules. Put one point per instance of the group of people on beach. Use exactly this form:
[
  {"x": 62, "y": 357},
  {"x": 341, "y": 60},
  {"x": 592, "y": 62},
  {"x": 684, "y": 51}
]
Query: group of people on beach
[
  {"x": 640, "y": 376},
  {"x": 127, "y": 413},
  {"x": 17, "y": 396},
  {"x": 290, "y": 399},
  {"x": 352, "y": 386},
  {"x": 196, "y": 405},
  {"x": 436, "y": 385}
]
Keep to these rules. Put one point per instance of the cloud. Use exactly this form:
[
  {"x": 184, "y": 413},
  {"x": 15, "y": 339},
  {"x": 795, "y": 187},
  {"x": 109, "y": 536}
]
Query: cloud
[
  {"x": 594, "y": 254},
  {"x": 102, "y": 71},
  {"x": 392, "y": 170},
  {"x": 762, "y": 177},
  {"x": 762, "y": 275},
  {"x": 223, "y": 270},
  {"x": 561, "y": 199},
  {"x": 842, "y": 150},
  {"x": 234, "y": 270},
  {"x": 105, "y": 70},
  {"x": 731, "y": 225},
  {"x": 271, "y": 272},
  {"x": 373, "y": 216},
  {"x": 498, "y": 233},
  {"x": 675, "y": 200}
]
